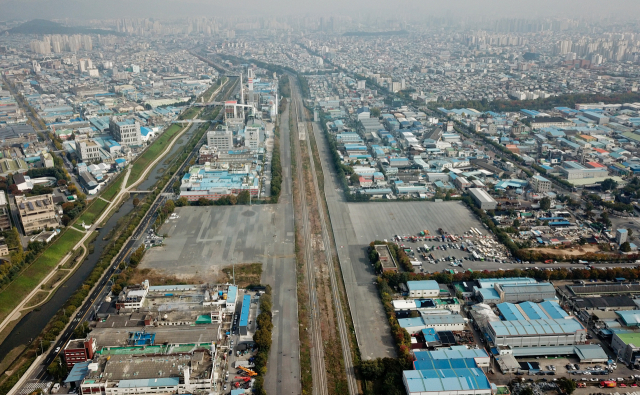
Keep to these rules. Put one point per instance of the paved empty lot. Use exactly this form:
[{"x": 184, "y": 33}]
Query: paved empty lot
[{"x": 204, "y": 238}]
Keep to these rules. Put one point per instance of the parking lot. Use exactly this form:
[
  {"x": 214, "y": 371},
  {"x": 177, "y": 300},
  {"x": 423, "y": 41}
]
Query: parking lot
[{"x": 360, "y": 224}]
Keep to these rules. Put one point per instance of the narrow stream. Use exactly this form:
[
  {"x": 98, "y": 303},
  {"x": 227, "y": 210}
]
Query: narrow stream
[{"x": 31, "y": 325}]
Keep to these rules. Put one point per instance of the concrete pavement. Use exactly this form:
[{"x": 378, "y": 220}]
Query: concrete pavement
[
  {"x": 372, "y": 329},
  {"x": 283, "y": 367}
]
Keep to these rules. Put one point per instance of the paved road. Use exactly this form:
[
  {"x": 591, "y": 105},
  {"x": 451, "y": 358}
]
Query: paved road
[
  {"x": 372, "y": 329},
  {"x": 283, "y": 367}
]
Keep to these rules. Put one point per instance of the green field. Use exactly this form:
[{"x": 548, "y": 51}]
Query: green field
[
  {"x": 90, "y": 215},
  {"x": 113, "y": 189},
  {"x": 15, "y": 292},
  {"x": 209, "y": 92},
  {"x": 190, "y": 113},
  {"x": 151, "y": 153}
]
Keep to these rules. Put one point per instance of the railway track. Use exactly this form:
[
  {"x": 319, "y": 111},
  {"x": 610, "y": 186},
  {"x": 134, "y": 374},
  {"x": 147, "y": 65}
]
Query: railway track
[
  {"x": 319, "y": 372},
  {"x": 342, "y": 326}
]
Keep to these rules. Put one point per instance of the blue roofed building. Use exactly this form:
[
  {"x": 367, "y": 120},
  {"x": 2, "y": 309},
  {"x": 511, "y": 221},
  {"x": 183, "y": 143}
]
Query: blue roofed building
[
  {"x": 520, "y": 330},
  {"x": 453, "y": 371},
  {"x": 441, "y": 320},
  {"x": 516, "y": 289},
  {"x": 423, "y": 289},
  {"x": 630, "y": 318},
  {"x": 244, "y": 315},
  {"x": 212, "y": 184},
  {"x": 78, "y": 372}
]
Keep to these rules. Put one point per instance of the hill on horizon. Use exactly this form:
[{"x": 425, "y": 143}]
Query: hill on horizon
[{"x": 43, "y": 26}]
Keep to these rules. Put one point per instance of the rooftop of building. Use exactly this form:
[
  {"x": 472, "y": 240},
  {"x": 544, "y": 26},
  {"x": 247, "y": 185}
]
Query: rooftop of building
[
  {"x": 423, "y": 285},
  {"x": 629, "y": 338},
  {"x": 536, "y": 327},
  {"x": 630, "y": 317},
  {"x": 427, "y": 320},
  {"x": 447, "y": 370},
  {"x": 490, "y": 282},
  {"x": 142, "y": 367}
]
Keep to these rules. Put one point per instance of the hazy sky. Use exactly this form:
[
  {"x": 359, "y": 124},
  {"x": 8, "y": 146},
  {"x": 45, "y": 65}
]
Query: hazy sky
[{"x": 105, "y": 9}]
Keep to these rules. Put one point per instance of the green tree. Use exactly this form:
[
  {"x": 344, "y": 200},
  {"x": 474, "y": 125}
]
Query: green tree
[
  {"x": 545, "y": 203},
  {"x": 608, "y": 184},
  {"x": 181, "y": 202},
  {"x": 375, "y": 112},
  {"x": 629, "y": 232},
  {"x": 57, "y": 369},
  {"x": 516, "y": 223},
  {"x": 625, "y": 247},
  {"x": 371, "y": 369},
  {"x": 243, "y": 197},
  {"x": 567, "y": 386},
  {"x": 354, "y": 178}
]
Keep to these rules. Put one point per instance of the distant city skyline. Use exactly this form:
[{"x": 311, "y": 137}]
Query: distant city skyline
[{"x": 407, "y": 9}]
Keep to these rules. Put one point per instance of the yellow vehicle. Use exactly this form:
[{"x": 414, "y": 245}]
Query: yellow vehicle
[{"x": 250, "y": 372}]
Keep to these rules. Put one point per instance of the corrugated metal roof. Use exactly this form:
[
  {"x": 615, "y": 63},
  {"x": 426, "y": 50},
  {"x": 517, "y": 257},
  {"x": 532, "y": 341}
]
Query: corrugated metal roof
[
  {"x": 510, "y": 312},
  {"x": 536, "y": 327},
  {"x": 424, "y": 285},
  {"x": 553, "y": 310}
]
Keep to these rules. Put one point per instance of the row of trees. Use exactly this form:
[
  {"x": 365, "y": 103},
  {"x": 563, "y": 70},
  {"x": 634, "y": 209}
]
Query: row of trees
[
  {"x": 262, "y": 337},
  {"x": 163, "y": 213},
  {"x": 602, "y": 274},
  {"x": 276, "y": 166},
  {"x": 384, "y": 375},
  {"x": 568, "y": 100}
]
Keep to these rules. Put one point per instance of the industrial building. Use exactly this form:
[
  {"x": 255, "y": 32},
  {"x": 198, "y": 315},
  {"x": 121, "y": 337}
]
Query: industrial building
[
  {"x": 533, "y": 325},
  {"x": 220, "y": 139},
  {"x": 208, "y": 183},
  {"x": 441, "y": 320},
  {"x": 402, "y": 305},
  {"x": 492, "y": 290},
  {"x": 604, "y": 289},
  {"x": 626, "y": 345},
  {"x": 572, "y": 170},
  {"x": 126, "y": 131},
  {"x": 186, "y": 369},
  {"x": 525, "y": 292},
  {"x": 166, "y": 344},
  {"x": 603, "y": 303},
  {"x": 89, "y": 151},
  {"x": 423, "y": 289},
  {"x": 540, "y": 184},
  {"x": 36, "y": 212},
  {"x": 630, "y": 318},
  {"x": 483, "y": 199},
  {"x": 244, "y": 314},
  {"x": 454, "y": 371},
  {"x": 386, "y": 258}
]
